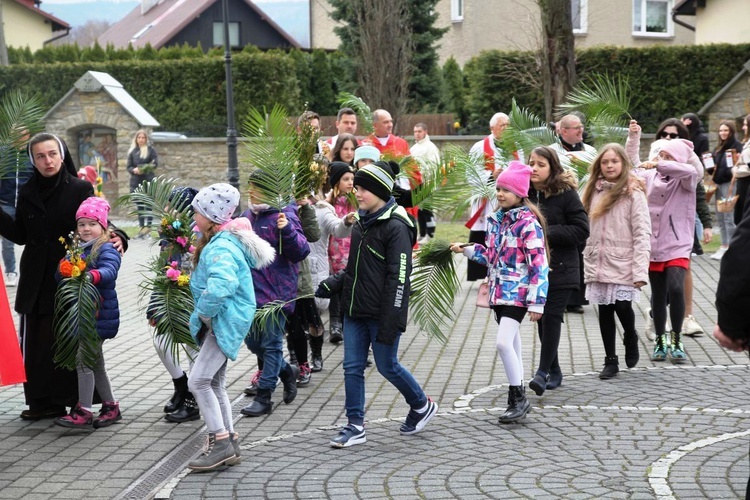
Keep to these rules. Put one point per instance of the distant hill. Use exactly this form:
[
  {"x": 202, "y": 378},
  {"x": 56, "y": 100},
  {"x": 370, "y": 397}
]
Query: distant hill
[{"x": 292, "y": 15}]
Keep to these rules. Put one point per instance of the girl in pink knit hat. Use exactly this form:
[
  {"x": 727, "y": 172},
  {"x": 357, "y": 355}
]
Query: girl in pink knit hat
[
  {"x": 515, "y": 253},
  {"x": 103, "y": 265}
]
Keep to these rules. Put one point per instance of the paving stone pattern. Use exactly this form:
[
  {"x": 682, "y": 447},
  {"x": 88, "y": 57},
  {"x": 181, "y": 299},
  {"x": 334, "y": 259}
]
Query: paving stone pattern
[{"x": 657, "y": 431}]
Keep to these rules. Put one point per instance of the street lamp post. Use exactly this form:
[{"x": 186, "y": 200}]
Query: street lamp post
[{"x": 233, "y": 172}]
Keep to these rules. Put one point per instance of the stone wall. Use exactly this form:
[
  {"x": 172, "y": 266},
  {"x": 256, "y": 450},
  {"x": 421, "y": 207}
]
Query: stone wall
[{"x": 734, "y": 104}]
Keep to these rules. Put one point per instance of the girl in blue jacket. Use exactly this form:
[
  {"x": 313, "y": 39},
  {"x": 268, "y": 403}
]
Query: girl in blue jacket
[
  {"x": 103, "y": 265},
  {"x": 222, "y": 287}
]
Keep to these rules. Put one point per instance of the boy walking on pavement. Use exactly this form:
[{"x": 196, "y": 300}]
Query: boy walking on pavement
[{"x": 375, "y": 303}]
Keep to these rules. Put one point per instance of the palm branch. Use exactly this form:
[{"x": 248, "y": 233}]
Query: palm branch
[
  {"x": 364, "y": 113},
  {"x": 274, "y": 148},
  {"x": 269, "y": 316},
  {"x": 434, "y": 286},
  {"x": 20, "y": 118},
  {"x": 170, "y": 306},
  {"x": 305, "y": 181},
  {"x": 453, "y": 189},
  {"x": 525, "y": 131},
  {"x": 152, "y": 199},
  {"x": 603, "y": 99},
  {"x": 76, "y": 307}
]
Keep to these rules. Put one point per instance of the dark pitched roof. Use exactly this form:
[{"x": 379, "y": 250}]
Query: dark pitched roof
[
  {"x": 57, "y": 24},
  {"x": 163, "y": 21},
  {"x": 687, "y": 7}
]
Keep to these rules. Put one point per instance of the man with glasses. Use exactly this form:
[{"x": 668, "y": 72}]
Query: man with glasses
[
  {"x": 570, "y": 143},
  {"x": 569, "y": 147}
]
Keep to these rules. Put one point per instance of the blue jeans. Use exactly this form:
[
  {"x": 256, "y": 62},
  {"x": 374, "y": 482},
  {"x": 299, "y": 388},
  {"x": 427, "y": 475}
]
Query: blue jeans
[
  {"x": 9, "y": 248},
  {"x": 269, "y": 346},
  {"x": 359, "y": 334}
]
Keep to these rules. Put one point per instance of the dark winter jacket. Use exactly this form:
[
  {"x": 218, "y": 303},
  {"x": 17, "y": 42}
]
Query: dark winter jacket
[
  {"x": 11, "y": 182},
  {"x": 376, "y": 283},
  {"x": 733, "y": 290},
  {"x": 39, "y": 224},
  {"x": 721, "y": 172},
  {"x": 135, "y": 160},
  {"x": 104, "y": 269},
  {"x": 279, "y": 280},
  {"x": 567, "y": 231}
]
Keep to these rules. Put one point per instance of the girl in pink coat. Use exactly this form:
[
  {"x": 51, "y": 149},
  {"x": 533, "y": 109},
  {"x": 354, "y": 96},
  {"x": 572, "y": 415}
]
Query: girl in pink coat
[
  {"x": 617, "y": 251},
  {"x": 670, "y": 190}
]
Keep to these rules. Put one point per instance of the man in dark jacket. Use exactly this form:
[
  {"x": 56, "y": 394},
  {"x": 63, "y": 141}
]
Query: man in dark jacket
[
  {"x": 10, "y": 184},
  {"x": 376, "y": 301}
]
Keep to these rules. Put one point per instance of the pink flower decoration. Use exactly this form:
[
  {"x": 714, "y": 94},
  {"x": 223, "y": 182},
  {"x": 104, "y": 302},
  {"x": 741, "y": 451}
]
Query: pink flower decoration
[
  {"x": 173, "y": 264},
  {"x": 191, "y": 249},
  {"x": 182, "y": 241},
  {"x": 173, "y": 274}
]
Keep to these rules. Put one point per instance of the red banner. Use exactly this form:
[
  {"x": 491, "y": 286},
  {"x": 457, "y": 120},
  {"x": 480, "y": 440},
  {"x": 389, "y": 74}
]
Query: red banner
[{"x": 11, "y": 361}]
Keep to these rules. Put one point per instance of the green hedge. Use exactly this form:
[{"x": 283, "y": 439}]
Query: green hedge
[{"x": 664, "y": 81}]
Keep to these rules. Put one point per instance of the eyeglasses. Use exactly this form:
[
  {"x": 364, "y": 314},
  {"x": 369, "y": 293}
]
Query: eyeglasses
[
  {"x": 579, "y": 127},
  {"x": 671, "y": 135}
]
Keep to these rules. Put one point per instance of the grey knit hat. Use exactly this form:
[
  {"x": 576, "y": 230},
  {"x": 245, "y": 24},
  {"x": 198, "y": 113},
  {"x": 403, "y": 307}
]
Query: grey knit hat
[{"x": 217, "y": 202}]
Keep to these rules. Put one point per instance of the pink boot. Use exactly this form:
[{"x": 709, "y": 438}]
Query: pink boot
[
  {"x": 78, "y": 418},
  {"x": 108, "y": 415}
]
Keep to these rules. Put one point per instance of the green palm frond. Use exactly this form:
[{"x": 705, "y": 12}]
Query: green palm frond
[
  {"x": 170, "y": 306},
  {"x": 453, "y": 190},
  {"x": 434, "y": 286},
  {"x": 74, "y": 323},
  {"x": 274, "y": 148},
  {"x": 269, "y": 316},
  {"x": 524, "y": 132},
  {"x": 20, "y": 115},
  {"x": 604, "y": 99},
  {"x": 604, "y": 131},
  {"x": 151, "y": 199},
  {"x": 364, "y": 113}
]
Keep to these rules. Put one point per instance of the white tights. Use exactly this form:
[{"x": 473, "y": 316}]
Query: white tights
[
  {"x": 169, "y": 361},
  {"x": 509, "y": 349}
]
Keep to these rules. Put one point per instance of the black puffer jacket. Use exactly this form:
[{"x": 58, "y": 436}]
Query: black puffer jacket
[
  {"x": 376, "y": 283},
  {"x": 722, "y": 173},
  {"x": 567, "y": 231}
]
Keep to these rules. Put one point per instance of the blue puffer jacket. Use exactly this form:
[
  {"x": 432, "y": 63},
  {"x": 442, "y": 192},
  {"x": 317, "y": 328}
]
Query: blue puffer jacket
[
  {"x": 222, "y": 284},
  {"x": 103, "y": 270}
]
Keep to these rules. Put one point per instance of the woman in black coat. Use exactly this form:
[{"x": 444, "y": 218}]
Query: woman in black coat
[
  {"x": 553, "y": 189},
  {"x": 46, "y": 210},
  {"x": 142, "y": 162}
]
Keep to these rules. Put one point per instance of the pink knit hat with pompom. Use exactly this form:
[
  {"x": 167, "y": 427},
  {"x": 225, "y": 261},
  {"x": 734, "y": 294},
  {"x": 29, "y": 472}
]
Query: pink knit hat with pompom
[{"x": 516, "y": 178}]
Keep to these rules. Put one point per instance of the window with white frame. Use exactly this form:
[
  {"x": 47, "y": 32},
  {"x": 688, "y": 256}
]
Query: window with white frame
[
  {"x": 457, "y": 11},
  {"x": 652, "y": 17},
  {"x": 234, "y": 34},
  {"x": 579, "y": 8}
]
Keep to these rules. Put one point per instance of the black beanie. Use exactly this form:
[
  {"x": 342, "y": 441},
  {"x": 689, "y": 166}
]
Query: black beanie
[
  {"x": 376, "y": 178},
  {"x": 336, "y": 171}
]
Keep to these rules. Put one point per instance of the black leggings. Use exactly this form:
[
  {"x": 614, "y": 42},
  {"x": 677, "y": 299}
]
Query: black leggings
[
  {"x": 624, "y": 311},
  {"x": 426, "y": 220},
  {"x": 550, "y": 327},
  {"x": 668, "y": 283}
]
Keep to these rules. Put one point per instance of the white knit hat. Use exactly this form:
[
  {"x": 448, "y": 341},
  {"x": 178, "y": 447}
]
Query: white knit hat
[{"x": 217, "y": 202}]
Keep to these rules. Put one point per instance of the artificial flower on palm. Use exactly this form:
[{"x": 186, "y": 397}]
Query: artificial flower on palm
[
  {"x": 165, "y": 287},
  {"x": 99, "y": 186},
  {"x": 76, "y": 307}
]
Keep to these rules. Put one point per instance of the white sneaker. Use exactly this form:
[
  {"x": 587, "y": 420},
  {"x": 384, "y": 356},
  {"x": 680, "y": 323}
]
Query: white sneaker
[
  {"x": 719, "y": 253},
  {"x": 11, "y": 279},
  {"x": 424, "y": 240},
  {"x": 649, "y": 326},
  {"x": 691, "y": 327}
]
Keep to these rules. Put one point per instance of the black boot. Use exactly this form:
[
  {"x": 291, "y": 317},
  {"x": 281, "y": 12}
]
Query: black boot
[
  {"x": 261, "y": 405},
  {"x": 180, "y": 390},
  {"x": 316, "y": 351},
  {"x": 289, "y": 377},
  {"x": 337, "y": 334},
  {"x": 539, "y": 383},
  {"x": 518, "y": 405},
  {"x": 186, "y": 412},
  {"x": 610, "y": 369},
  {"x": 631, "y": 349},
  {"x": 555, "y": 378},
  {"x": 292, "y": 352}
]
